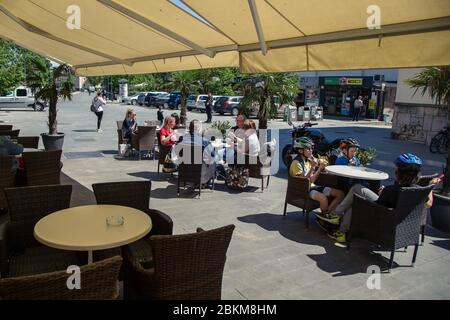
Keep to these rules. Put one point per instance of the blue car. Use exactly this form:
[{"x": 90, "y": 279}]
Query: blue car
[{"x": 174, "y": 101}]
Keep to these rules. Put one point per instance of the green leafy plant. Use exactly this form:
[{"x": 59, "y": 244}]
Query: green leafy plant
[
  {"x": 49, "y": 87},
  {"x": 366, "y": 156},
  {"x": 222, "y": 126}
]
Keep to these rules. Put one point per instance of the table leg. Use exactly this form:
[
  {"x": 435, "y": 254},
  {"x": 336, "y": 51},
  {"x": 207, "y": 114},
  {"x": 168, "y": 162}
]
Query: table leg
[{"x": 90, "y": 257}]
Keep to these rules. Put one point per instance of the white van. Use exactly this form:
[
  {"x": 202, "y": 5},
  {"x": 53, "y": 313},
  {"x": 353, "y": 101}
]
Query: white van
[{"x": 21, "y": 97}]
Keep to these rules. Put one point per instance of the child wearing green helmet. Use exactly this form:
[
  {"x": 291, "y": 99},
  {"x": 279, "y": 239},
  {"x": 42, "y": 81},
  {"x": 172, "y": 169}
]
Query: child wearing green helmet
[{"x": 305, "y": 165}]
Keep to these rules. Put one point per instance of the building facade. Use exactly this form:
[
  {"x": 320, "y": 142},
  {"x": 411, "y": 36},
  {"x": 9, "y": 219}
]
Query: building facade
[{"x": 336, "y": 91}]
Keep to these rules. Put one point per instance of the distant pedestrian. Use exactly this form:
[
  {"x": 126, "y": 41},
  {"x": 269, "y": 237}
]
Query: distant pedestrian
[
  {"x": 208, "y": 107},
  {"x": 104, "y": 95},
  {"x": 160, "y": 116},
  {"x": 98, "y": 102},
  {"x": 359, "y": 104}
]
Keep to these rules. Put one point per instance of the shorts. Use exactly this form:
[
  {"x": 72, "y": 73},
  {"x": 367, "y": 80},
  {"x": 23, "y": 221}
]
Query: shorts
[{"x": 317, "y": 189}]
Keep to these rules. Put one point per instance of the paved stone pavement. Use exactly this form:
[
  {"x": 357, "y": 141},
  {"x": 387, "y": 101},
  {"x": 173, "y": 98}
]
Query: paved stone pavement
[{"x": 270, "y": 257}]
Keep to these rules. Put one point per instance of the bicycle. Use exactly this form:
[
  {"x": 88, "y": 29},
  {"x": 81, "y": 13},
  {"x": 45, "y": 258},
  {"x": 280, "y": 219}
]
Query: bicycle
[{"x": 439, "y": 143}]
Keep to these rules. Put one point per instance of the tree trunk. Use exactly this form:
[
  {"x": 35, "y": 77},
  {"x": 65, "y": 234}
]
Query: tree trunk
[
  {"x": 183, "y": 110},
  {"x": 52, "y": 123}
]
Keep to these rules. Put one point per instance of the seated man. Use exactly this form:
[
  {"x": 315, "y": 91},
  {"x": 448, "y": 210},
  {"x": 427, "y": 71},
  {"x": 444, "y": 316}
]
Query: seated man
[
  {"x": 304, "y": 165},
  {"x": 9, "y": 148},
  {"x": 194, "y": 137},
  {"x": 407, "y": 174}
]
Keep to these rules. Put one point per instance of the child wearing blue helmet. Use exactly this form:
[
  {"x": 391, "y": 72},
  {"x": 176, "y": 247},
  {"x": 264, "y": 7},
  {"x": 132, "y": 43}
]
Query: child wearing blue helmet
[{"x": 407, "y": 174}]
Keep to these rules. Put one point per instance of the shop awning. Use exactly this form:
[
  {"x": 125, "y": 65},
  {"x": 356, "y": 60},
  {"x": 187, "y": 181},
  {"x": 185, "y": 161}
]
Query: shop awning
[{"x": 136, "y": 36}]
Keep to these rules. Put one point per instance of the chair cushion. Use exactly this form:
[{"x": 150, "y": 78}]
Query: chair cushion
[{"x": 41, "y": 260}]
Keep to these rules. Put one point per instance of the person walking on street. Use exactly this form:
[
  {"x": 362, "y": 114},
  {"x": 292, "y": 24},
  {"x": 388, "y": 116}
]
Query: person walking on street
[
  {"x": 357, "y": 108},
  {"x": 160, "y": 116},
  {"x": 98, "y": 104},
  {"x": 208, "y": 107}
]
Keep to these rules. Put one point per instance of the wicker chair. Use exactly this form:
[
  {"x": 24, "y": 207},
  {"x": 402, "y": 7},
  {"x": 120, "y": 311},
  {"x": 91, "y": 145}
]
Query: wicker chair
[
  {"x": 11, "y": 133},
  {"x": 195, "y": 172},
  {"x": 390, "y": 228},
  {"x": 186, "y": 267},
  {"x": 259, "y": 168},
  {"x": 98, "y": 282},
  {"x": 297, "y": 193},
  {"x": 42, "y": 168},
  {"x": 6, "y": 178},
  {"x": 163, "y": 151},
  {"x": 144, "y": 139},
  {"x": 134, "y": 194},
  {"x": 29, "y": 142},
  {"x": 6, "y": 127},
  {"x": 21, "y": 253},
  {"x": 423, "y": 182},
  {"x": 120, "y": 138}
]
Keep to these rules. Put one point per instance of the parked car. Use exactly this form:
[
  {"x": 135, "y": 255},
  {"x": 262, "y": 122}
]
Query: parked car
[
  {"x": 21, "y": 97},
  {"x": 150, "y": 97},
  {"x": 197, "y": 102},
  {"x": 228, "y": 105},
  {"x": 161, "y": 100},
  {"x": 174, "y": 101},
  {"x": 133, "y": 99}
]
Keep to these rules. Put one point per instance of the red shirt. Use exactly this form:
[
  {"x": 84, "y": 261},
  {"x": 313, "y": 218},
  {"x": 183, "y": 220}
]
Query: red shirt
[{"x": 164, "y": 133}]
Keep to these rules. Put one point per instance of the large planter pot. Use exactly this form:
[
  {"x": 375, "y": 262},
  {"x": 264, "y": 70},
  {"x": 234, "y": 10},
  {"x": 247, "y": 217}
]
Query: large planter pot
[
  {"x": 440, "y": 213},
  {"x": 53, "y": 142}
]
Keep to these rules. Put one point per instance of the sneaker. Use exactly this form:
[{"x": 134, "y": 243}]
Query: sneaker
[
  {"x": 338, "y": 236},
  {"x": 329, "y": 217},
  {"x": 323, "y": 225}
]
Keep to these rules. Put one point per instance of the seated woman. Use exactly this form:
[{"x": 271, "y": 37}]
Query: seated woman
[
  {"x": 9, "y": 148},
  {"x": 129, "y": 125},
  {"x": 407, "y": 174},
  {"x": 167, "y": 133},
  {"x": 304, "y": 165},
  {"x": 246, "y": 143}
]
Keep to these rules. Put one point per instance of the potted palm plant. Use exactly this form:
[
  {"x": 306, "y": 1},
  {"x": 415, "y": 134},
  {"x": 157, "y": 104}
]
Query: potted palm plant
[
  {"x": 50, "y": 86},
  {"x": 436, "y": 82}
]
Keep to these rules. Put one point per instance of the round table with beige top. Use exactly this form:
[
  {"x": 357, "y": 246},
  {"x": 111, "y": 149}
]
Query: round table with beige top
[
  {"x": 361, "y": 173},
  {"x": 85, "y": 228}
]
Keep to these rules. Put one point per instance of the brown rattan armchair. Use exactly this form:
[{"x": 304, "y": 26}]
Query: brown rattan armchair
[
  {"x": 6, "y": 178},
  {"x": 21, "y": 253},
  {"x": 144, "y": 139},
  {"x": 259, "y": 168},
  {"x": 6, "y": 127},
  {"x": 43, "y": 167},
  {"x": 29, "y": 142},
  {"x": 98, "y": 281},
  {"x": 390, "y": 228},
  {"x": 297, "y": 193},
  {"x": 186, "y": 267},
  {"x": 194, "y": 170},
  {"x": 13, "y": 134},
  {"x": 134, "y": 194}
]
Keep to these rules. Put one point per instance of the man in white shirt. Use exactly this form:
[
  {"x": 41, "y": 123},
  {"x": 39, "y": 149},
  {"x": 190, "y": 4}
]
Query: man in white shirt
[{"x": 358, "y": 105}]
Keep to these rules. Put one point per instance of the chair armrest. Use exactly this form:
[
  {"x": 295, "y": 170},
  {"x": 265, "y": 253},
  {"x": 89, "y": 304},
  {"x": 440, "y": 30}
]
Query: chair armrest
[
  {"x": 298, "y": 188},
  {"x": 162, "y": 223}
]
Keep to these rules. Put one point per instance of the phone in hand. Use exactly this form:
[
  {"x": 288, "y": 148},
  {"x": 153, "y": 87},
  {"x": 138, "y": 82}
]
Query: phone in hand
[{"x": 441, "y": 177}]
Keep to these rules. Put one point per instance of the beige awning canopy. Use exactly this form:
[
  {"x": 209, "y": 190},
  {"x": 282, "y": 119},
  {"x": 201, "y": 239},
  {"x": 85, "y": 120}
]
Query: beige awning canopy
[{"x": 137, "y": 36}]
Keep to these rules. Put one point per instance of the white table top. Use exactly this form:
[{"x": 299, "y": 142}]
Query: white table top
[
  {"x": 219, "y": 144},
  {"x": 84, "y": 228},
  {"x": 362, "y": 173}
]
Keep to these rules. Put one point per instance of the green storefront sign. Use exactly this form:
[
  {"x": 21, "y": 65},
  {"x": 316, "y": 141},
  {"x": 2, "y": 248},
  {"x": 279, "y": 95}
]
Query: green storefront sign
[{"x": 344, "y": 81}]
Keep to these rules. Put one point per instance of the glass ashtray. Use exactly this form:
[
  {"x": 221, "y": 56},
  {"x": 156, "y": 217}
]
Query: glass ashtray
[{"x": 115, "y": 221}]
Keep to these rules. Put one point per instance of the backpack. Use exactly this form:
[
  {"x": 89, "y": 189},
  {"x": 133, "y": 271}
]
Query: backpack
[{"x": 93, "y": 108}]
